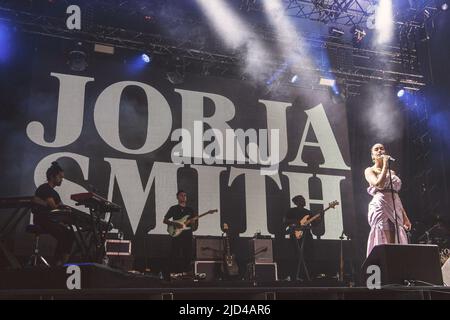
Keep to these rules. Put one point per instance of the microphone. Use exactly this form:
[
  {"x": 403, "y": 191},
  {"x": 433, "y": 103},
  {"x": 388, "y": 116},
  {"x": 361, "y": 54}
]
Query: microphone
[{"x": 392, "y": 159}]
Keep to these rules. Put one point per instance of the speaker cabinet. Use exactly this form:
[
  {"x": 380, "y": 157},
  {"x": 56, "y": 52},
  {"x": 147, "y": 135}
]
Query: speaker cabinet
[{"x": 403, "y": 264}]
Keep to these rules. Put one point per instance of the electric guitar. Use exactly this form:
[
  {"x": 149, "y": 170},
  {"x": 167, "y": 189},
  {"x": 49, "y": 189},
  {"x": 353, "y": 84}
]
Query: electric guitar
[
  {"x": 229, "y": 265},
  {"x": 186, "y": 223},
  {"x": 307, "y": 220}
]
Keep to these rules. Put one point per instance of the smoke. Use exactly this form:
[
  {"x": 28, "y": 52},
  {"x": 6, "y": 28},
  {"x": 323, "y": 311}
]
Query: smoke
[
  {"x": 178, "y": 27},
  {"x": 255, "y": 54},
  {"x": 291, "y": 43},
  {"x": 236, "y": 35},
  {"x": 384, "y": 22},
  {"x": 383, "y": 117}
]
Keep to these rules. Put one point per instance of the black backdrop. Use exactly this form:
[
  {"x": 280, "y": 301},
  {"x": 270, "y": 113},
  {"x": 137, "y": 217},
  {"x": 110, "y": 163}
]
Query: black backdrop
[{"x": 30, "y": 93}]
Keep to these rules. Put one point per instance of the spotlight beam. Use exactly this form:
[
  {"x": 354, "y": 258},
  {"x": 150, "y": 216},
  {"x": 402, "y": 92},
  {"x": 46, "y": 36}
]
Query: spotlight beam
[
  {"x": 235, "y": 33},
  {"x": 293, "y": 49},
  {"x": 384, "y": 22}
]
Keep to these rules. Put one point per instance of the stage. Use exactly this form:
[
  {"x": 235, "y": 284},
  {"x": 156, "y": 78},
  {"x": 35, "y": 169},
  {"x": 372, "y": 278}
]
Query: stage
[
  {"x": 274, "y": 292},
  {"x": 100, "y": 282},
  {"x": 245, "y": 142}
]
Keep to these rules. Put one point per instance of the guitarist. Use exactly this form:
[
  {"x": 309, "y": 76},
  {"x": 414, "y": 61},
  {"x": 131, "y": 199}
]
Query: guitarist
[
  {"x": 301, "y": 244},
  {"x": 181, "y": 249}
]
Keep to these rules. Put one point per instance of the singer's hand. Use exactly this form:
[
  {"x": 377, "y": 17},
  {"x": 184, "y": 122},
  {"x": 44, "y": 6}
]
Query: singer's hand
[
  {"x": 407, "y": 224},
  {"x": 385, "y": 158}
]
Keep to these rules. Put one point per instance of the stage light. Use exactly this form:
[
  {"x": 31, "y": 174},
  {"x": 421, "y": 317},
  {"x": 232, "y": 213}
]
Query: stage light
[
  {"x": 401, "y": 93},
  {"x": 146, "y": 58},
  {"x": 139, "y": 62},
  {"x": 101, "y": 48},
  {"x": 336, "y": 90},
  {"x": 358, "y": 35},
  {"x": 294, "y": 79},
  {"x": 337, "y": 96},
  {"x": 444, "y": 6},
  {"x": 77, "y": 60},
  {"x": 327, "y": 82},
  {"x": 336, "y": 32}
]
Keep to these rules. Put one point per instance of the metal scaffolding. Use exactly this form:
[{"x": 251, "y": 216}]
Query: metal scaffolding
[
  {"x": 393, "y": 66},
  {"x": 355, "y": 66},
  {"x": 343, "y": 12},
  {"x": 348, "y": 12}
]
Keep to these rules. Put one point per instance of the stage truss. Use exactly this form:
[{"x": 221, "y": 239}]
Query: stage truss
[{"x": 396, "y": 66}]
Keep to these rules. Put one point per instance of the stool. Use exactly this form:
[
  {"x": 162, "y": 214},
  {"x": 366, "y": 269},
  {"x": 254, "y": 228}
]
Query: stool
[{"x": 36, "y": 256}]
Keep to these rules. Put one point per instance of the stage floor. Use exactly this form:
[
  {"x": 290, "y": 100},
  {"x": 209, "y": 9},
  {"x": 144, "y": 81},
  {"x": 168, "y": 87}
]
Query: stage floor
[
  {"x": 100, "y": 282},
  {"x": 233, "y": 293}
]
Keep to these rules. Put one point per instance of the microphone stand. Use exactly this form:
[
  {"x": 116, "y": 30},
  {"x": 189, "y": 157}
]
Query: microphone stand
[
  {"x": 341, "y": 260},
  {"x": 393, "y": 203}
]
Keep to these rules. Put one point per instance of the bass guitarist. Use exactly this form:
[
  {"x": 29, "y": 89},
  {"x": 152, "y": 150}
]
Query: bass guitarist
[{"x": 301, "y": 238}]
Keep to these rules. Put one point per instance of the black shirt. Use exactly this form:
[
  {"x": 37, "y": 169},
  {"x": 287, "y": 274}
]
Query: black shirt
[
  {"x": 177, "y": 212},
  {"x": 297, "y": 214},
  {"x": 44, "y": 192}
]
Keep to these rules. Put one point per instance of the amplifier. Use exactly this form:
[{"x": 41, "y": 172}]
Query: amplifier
[
  {"x": 209, "y": 248},
  {"x": 261, "y": 250}
]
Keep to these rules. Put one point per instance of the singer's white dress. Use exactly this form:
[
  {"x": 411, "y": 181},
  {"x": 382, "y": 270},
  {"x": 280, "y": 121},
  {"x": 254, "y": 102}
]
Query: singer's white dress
[{"x": 381, "y": 214}]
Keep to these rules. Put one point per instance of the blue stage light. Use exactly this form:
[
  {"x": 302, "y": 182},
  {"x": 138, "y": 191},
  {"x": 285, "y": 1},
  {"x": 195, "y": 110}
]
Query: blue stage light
[
  {"x": 401, "y": 93},
  {"x": 5, "y": 43},
  {"x": 146, "y": 58},
  {"x": 336, "y": 90}
]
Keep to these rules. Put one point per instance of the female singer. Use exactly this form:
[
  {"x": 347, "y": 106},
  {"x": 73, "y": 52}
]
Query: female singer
[{"x": 383, "y": 207}]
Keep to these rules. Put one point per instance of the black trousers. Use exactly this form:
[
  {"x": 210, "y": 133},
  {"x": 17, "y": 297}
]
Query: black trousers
[
  {"x": 64, "y": 237},
  {"x": 301, "y": 249},
  {"x": 181, "y": 253}
]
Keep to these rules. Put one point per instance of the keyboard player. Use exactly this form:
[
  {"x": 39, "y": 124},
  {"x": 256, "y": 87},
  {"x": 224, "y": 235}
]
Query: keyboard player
[{"x": 49, "y": 200}]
